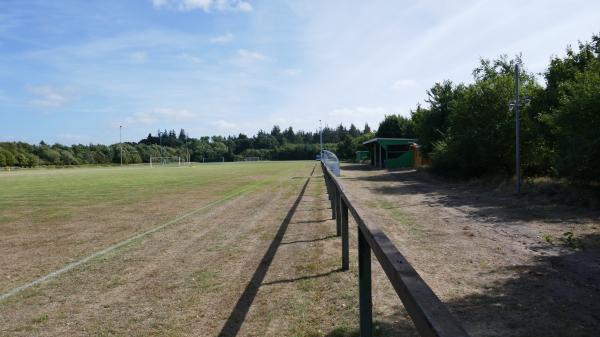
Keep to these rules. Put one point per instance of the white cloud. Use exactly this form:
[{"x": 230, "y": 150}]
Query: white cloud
[
  {"x": 49, "y": 96},
  {"x": 205, "y": 5},
  {"x": 246, "y": 57},
  {"x": 222, "y": 38},
  {"x": 249, "y": 55},
  {"x": 225, "y": 125},
  {"x": 358, "y": 112},
  {"x": 159, "y": 3},
  {"x": 138, "y": 57},
  {"x": 292, "y": 71},
  {"x": 160, "y": 115},
  {"x": 244, "y": 6},
  {"x": 189, "y": 58},
  {"x": 404, "y": 83}
]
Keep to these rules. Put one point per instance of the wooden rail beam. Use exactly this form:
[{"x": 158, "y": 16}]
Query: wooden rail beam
[{"x": 429, "y": 314}]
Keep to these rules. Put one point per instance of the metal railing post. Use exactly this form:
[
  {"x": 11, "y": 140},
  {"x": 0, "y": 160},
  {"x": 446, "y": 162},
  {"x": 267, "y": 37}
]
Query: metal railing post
[
  {"x": 345, "y": 243},
  {"x": 364, "y": 286}
]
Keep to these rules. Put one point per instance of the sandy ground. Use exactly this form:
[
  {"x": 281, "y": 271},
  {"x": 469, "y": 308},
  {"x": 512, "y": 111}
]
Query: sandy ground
[{"x": 484, "y": 253}]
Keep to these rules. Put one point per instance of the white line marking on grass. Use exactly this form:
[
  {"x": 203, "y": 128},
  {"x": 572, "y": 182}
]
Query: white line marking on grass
[{"x": 118, "y": 245}]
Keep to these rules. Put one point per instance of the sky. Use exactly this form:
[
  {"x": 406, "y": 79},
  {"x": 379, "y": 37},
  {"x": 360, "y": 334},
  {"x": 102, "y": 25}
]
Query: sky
[{"x": 73, "y": 71}]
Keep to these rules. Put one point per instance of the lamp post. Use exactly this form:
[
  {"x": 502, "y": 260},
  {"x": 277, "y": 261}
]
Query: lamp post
[
  {"x": 516, "y": 104},
  {"x": 160, "y": 143},
  {"x": 187, "y": 151},
  {"x": 517, "y": 131},
  {"x": 121, "y": 142},
  {"x": 321, "y": 137}
]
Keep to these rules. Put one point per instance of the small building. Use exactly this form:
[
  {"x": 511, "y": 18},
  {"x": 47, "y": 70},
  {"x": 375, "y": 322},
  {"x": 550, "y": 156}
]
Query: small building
[
  {"x": 362, "y": 156},
  {"x": 391, "y": 152}
]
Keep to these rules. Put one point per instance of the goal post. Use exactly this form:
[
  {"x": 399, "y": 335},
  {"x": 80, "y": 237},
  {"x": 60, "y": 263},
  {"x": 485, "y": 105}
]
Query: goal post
[
  {"x": 165, "y": 161},
  {"x": 213, "y": 159}
]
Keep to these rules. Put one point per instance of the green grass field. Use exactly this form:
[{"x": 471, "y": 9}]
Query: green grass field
[
  {"x": 43, "y": 192},
  {"x": 50, "y": 217},
  {"x": 235, "y": 249}
]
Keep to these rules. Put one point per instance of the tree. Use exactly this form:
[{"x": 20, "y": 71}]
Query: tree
[
  {"x": 480, "y": 135},
  {"x": 431, "y": 123},
  {"x": 289, "y": 135},
  {"x": 276, "y": 132},
  {"x": 182, "y": 136},
  {"x": 347, "y": 147},
  {"x": 396, "y": 126},
  {"x": 573, "y": 99},
  {"x": 242, "y": 143}
]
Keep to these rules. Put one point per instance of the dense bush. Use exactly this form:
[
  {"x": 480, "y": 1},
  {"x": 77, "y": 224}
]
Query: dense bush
[{"x": 468, "y": 130}]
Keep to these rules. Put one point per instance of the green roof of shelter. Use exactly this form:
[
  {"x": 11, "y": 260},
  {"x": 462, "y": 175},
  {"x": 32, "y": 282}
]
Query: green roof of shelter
[{"x": 391, "y": 141}]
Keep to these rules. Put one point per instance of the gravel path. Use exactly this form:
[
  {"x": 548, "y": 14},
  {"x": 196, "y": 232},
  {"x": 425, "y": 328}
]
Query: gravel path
[{"x": 483, "y": 252}]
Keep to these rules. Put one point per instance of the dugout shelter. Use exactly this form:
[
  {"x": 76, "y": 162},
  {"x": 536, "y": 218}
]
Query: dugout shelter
[{"x": 392, "y": 152}]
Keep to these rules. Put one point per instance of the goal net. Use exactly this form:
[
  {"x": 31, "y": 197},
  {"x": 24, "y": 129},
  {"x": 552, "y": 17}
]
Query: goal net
[
  {"x": 165, "y": 161},
  {"x": 213, "y": 159},
  {"x": 251, "y": 158}
]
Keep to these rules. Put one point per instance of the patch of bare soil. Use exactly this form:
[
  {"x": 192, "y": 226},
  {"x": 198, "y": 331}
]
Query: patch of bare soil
[{"x": 503, "y": 264}]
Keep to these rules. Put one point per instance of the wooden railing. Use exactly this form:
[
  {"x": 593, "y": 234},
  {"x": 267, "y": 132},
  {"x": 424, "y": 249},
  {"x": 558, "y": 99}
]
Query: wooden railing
[{"x": 429, "y": 314}]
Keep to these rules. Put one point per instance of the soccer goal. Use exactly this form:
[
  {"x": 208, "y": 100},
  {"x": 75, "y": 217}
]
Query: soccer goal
[
  {"x": 252, "y": 159},
  {"x": 165, "y": 161},
  {"x": 213, "y": 159}
]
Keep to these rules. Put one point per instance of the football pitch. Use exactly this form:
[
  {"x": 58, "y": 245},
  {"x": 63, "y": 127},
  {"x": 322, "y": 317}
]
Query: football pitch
[
  {"x": 206, "y": 250},
  {"x": 50, "y": 217}
]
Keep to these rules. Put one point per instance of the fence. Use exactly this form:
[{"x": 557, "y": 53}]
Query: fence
[{"x": 429, "y": 314}]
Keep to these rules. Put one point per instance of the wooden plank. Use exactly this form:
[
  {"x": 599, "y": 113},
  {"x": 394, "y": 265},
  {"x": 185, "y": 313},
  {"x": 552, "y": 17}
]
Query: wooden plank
[{"x": 430, "y": 315}]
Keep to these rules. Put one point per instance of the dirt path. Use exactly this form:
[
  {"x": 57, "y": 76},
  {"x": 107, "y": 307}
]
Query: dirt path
[
  {"x": 265, "y": 264},
  {"x": 484, "y": 254}
]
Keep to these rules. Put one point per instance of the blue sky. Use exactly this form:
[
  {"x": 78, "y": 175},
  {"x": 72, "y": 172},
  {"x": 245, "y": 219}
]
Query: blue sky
[{"x": 72, "y": 71}]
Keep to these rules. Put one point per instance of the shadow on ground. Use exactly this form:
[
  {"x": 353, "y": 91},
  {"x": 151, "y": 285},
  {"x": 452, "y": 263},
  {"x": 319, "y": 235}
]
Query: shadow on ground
[
  {"x": 557, "y": 295},
  {"x": 549, "y": 298},
  {"x": 482, "y": 203},
  {"x": 238, "y": 314}
]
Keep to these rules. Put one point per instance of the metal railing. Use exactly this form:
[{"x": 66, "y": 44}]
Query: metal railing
[
  {"x": 331, "y": 161},
  {"x": 429, "y": 314}
]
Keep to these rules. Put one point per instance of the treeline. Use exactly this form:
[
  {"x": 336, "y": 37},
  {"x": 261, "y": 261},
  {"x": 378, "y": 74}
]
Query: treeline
[
  {"x": 469, "y": 130},
  {"x": 274, "y": 145},
  {"x": 466, "y": 130}
]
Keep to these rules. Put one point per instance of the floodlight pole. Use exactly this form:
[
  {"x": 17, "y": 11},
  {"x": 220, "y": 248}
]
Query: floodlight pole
[
  {"x": 517, "y": 131},
  {"x": 321, "y": 137},
  {"x": 160, "y": 142},
  {"x": 187, "y": 151},
  {"x": 121, "y": 142}
]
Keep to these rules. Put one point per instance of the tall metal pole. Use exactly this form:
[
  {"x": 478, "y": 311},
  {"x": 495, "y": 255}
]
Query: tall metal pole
[
  {"x": 187, "y": 152},
  {"x": 517, "y": 131},
  {"x": 121, "y": 142},
  {"x": 321, "y": 137},
  {"x": 160, "y": 143}
]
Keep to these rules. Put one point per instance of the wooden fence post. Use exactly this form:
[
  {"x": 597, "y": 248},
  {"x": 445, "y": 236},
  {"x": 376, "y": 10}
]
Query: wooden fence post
[
  {"x": 364, "y": 286},
  {"x": 345, "y": 243}
]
